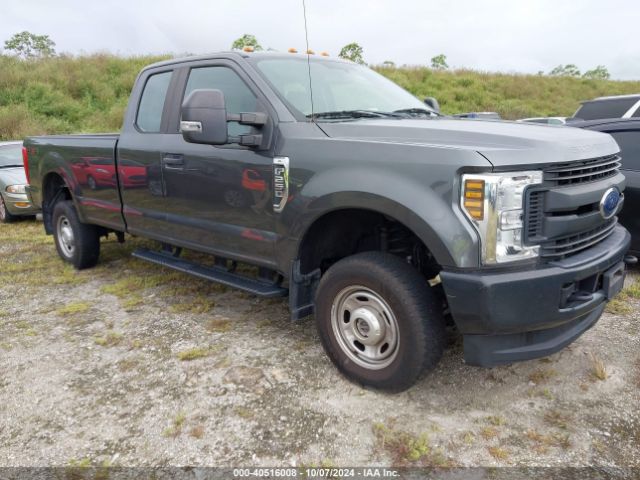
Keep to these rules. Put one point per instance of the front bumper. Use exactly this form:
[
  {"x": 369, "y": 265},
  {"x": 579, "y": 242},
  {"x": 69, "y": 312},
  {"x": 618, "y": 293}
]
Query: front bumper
[
  {"x": 19, "y": 204},
  {"x": 512, "y": 316}
]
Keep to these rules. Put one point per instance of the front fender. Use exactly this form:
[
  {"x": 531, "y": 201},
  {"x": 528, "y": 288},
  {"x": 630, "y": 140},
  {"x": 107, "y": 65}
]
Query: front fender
[{"x": 430, "y": 210}]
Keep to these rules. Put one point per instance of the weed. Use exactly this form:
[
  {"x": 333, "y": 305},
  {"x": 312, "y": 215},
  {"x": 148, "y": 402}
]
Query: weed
[
  {"x": 176, "y": 426},
  {"x": 496, "y": 420},
  {"x": 498, "y": 453},
  {"x": 489, "y": 432},
  {"x": 109, "y": 339},
  {"x": 197, "y": 431},
  {"x": 219, "y": 325},
  {"x": 542, "y": 375},
  {"x": 598, "y": 368},
  {"x": 557, "y": 419},
  {"x": 243, "y": 412},
  {"x": 403, "y": 447},
  {"x": 619, "y": 306}
]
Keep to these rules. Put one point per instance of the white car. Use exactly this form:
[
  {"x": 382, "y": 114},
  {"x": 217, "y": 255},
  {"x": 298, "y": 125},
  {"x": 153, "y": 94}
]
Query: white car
[{"x": 545, "y": 120}]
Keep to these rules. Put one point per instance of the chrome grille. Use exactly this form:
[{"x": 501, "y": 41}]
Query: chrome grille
[
  {"x": 583, "y": 171},
  {"x": 563, "y": 246}
]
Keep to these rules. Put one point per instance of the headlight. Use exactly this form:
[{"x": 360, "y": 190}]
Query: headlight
[
  {"x": 16, "y": 189},
  {"x": 494, "y": 203}
]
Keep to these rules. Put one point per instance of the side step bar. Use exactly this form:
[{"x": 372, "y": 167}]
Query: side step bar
[{"x": 215, "y": 274}]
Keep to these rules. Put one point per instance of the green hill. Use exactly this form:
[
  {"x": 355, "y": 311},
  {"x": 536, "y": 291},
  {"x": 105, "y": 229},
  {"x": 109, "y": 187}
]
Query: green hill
[{"x": 89, "y": 93}]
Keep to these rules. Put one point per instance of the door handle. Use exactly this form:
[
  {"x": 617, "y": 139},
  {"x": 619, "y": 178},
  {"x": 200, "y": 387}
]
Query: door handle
[{"x": 173, "y": 162}]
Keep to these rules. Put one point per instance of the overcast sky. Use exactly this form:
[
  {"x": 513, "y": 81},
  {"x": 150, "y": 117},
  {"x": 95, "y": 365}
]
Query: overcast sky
[{"x": 494, "y": 35}]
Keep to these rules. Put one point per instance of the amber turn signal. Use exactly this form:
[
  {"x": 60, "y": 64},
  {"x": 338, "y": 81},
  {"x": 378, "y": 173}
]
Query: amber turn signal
[{"x": 474, "y": 198}]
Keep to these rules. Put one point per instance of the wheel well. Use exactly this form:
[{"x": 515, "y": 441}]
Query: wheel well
[
  {"x": 54, "y": 189},
  {"x": 341, "y": 233}
]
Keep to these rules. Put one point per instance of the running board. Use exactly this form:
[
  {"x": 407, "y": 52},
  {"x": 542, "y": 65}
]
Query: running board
[{"x": 215, "y": 274}]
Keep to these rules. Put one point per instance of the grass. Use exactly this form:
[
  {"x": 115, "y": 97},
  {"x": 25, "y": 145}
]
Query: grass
[
  {"x": 73, "y": 308},
  {"x": 489, "y": 433},
  {"x": 89, "y": 93},
  {"x": 621, "y": 305},
  {"x": 197, "y": 305},
  {"x": 194, "y": 354}
]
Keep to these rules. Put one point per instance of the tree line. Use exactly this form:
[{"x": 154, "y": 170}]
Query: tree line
[{"x": 27, "y": 45}]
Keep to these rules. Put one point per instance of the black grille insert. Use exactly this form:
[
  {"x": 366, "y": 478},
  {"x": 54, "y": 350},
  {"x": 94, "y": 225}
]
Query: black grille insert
[
  {"x": 583, "y": 171},
  {"x": 563, "y": 246}
]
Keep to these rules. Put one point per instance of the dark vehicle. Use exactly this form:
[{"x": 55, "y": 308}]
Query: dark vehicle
[
  {"x": 627, "y": 134},
  {"x": 14, "y": 202},
  {"x": 362, "y": 205},
  {"x": 618, "y": 106}
]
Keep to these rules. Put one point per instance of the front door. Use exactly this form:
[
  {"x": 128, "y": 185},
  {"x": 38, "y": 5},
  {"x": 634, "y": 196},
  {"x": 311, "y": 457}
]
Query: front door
[{"x": 220, "y": 197}]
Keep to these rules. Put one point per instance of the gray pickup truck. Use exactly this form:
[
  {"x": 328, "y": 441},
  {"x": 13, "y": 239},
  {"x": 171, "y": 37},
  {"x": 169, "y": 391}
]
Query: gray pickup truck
[{"x": 356, "y": 200}]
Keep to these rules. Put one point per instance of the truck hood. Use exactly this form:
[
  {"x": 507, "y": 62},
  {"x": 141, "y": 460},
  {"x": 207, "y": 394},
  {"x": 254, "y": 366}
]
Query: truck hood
[
  {"x": 12, "y": 176},
  {"x": 504, "y": 144}
]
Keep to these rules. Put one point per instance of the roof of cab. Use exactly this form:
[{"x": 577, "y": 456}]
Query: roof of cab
[{"x": 236, "y": 55}]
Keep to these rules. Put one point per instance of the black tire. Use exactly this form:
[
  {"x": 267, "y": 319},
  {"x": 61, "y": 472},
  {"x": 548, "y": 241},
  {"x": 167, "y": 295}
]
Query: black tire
[
  {"x": 419, "y": 321},
  {"x": 84, "y": 237},
  {"x": 5, "y": 216}
]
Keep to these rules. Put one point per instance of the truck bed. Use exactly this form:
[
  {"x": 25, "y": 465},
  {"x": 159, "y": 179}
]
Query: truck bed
[{"x": 88, "y": 164}]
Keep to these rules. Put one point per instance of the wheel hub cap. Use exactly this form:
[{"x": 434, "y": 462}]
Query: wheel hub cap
[
  {"x": 65, "y": 236},
  {"x": 365, "y": 327}
]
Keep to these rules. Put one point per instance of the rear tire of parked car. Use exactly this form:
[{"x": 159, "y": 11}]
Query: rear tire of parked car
[
  {"x": 5, "y": 216},
  {"x": 77, "y": 243},
  {"x": 378, "y": 320}
]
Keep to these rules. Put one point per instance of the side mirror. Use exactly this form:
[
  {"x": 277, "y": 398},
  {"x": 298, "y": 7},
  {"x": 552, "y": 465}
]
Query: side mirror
[
  {"x": 204, "y": 118},
  {"x": 433, "y": 103}
]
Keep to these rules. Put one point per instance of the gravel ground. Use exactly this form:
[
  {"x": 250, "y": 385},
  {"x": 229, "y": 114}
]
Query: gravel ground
[{"x": 129, "y": 364}]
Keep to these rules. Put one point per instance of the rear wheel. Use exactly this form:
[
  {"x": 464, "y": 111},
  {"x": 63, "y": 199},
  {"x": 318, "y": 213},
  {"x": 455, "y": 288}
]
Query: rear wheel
[
  {"x": 77, "y": 243},
  {"x": 5, "y": 216},
  {"x": 378, "y": 320}
]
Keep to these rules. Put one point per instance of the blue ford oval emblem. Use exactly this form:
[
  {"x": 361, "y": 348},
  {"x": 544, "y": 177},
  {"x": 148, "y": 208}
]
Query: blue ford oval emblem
[{"x": 609, "y": 203}]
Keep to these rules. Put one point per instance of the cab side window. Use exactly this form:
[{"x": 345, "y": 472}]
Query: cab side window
[
  {"x": 629, "y": 142},
  {"x": 152, "y": 101},
  {"x": 238, "y": 97}
]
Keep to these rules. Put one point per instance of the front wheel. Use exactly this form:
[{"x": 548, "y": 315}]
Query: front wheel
[
  {"x": 5, "y": 216},
  {"x": 378, "y": 320},
  {"x": 77, "y": 243}
]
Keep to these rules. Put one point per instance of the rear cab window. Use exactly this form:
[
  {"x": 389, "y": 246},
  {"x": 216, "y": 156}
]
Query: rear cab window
[
  {"x": 149, "y": 116},
  {"x": 613, "y": 108}
]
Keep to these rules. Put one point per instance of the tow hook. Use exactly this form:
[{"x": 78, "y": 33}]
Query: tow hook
[{"x": 630, "y": 260}]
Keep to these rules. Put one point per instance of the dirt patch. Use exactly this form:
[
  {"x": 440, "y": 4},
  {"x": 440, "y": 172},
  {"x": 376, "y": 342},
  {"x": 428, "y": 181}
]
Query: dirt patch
[{"x": 131, "y": 364}]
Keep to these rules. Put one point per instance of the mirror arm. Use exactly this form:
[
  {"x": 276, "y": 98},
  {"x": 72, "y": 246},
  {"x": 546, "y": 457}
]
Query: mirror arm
[
  {"x": 248, "y": 118},
  {"x": 247, "y": 140}
]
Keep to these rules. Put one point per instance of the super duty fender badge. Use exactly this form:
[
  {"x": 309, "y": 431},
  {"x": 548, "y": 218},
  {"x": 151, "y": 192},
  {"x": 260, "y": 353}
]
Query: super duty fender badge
[{"x": 280, "y": 183}]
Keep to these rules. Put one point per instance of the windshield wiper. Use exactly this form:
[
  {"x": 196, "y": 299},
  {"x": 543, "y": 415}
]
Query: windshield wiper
[
  {"x": 418, "y": 111},
  {"x": 10, "y": 166},
  {"x": 354, "y": 114}
]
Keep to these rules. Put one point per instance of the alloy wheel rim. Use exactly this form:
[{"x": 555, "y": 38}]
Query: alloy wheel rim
[{"x": 365, "y": 327}]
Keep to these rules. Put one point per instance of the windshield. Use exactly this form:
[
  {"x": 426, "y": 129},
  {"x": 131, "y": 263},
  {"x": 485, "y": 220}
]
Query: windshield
[
  {"x": 11, "y": 156},
  {"x": 337, "y": 87}
]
